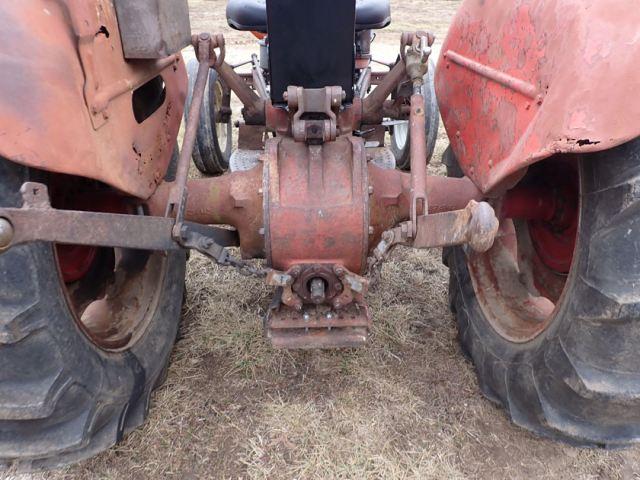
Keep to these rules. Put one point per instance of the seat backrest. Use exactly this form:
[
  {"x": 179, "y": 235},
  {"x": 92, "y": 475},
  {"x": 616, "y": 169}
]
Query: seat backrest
[{"x": 311, "y": 45}]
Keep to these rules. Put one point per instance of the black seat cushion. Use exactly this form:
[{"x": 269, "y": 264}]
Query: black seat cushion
[{"x": 252, "y": 14}]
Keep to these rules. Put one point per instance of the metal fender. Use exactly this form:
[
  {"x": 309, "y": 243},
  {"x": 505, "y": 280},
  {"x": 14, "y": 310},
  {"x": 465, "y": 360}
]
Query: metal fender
[
  {"x": 521, "y": 80},
  {"x": 66, "y": 98}
]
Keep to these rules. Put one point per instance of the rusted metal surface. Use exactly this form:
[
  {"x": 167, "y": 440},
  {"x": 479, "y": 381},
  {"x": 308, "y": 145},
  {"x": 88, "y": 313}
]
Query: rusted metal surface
[
  {"x": 60, "y": 59},
  {"x": 237, "y": 199},
  {"x": 37, "y": 221},
  {"x": 390, "y": 202},
  {"x": 234, "y": 199},
  {"x": 520, "y": 280},
  {"x": 318, "y": 328},
  {"x": 346, "y": 330},
  {"x": 340, "y": 286},
  {"x": 153, "y": 28},
  {"x": 417, "y": 123},
  {"x": 476, "y": 225},
  {"x": 318, "y": 306},
  {"x": 314, "y": 101},
  {"x": 505, "y": 288},
  {"x": 179, "y": 193},
  {"x": 519, "y": 81},
  {"x": 373, "y": 103},
  {"x": 254, "y": 105},
  {"x": 251, "y": 137},
  {"x": 317, "y": 203},
  {"x": 317, "y": 284}
]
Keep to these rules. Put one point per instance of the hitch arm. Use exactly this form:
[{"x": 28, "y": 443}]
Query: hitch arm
[
  {"x": 476, "y": 226},
  {"x": 38, "y": 221}
]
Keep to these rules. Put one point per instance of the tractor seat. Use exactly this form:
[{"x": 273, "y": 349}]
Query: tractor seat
[{"x": 251, "y": 15}]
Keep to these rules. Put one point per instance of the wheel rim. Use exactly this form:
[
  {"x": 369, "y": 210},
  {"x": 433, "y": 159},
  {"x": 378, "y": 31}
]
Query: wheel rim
[
  {"x": 520, "y": 282},
  {"x": 221, "y": 128},
  {"x": 112, "y": 293},
  {"x": 400, "y": 134}
]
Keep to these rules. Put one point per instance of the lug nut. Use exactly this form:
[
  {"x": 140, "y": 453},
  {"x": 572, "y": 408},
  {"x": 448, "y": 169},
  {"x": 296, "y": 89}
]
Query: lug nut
[{"x": 6, "y": 233}]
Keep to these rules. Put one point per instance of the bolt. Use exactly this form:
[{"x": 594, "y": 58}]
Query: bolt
[
  {"x": 329, "y": 315},
  {"x": 370, "y": 189},
  {"x": 371, "y": 231},
  {"x": 6, "y": 233},
  {"x": 260, "y": 191},
  {"x": 261, "y": 231},
  {"x": 306, "y": 317},
  {"x": 207, "y": 242}
]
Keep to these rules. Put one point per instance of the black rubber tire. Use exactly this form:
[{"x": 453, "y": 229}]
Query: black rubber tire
[
  {"x": 579, "y": 381},
  {"x": 402, "y": 152},
  {"x": 208, "y": 155},
  {"x": 62, "y": 399}
]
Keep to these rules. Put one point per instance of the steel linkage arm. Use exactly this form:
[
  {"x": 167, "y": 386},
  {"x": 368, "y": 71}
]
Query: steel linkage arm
[
  {"x": 205, "y": 53},
  {"x": 37, "y": 221},
  {"x": 374, "y": 103},
  {"x": 415, "y": 50}
]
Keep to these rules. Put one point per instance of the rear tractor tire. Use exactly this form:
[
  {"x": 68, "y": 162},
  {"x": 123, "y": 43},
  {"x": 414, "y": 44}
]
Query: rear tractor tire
[
  {"x": 85, "y": 336},
  {"x": 555, "y": 339}
]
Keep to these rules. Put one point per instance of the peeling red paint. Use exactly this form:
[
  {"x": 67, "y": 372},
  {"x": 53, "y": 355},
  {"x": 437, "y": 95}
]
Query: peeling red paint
[
  {"x": 578, "y": 55},
  {"x": 67, "y": 102}
]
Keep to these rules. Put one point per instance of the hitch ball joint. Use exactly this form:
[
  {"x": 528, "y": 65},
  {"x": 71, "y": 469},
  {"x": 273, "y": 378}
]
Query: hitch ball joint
[{"x": 6, "y": 233}]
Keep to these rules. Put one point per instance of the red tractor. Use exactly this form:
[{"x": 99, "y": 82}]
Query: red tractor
[{"x": 539, "y": 217}]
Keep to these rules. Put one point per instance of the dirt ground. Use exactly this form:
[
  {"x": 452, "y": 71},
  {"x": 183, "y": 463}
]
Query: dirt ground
[{"x": 406, "y": 406}]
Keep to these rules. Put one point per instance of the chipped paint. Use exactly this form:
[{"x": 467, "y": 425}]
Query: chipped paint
[{"x": 519, "y": 81}]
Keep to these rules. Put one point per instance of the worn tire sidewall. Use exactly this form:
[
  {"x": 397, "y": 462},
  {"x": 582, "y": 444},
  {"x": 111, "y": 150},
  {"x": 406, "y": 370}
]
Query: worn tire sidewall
[
  {"x": 111, "y": 381},
  {"x": 575, "y": 294}
]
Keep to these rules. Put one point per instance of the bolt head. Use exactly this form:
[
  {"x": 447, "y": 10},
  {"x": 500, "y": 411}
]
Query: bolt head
[
  {"x": 207, "y": 243},
  {"x": 306, "y": 317},
  {"x": 329, "y": 315},
  {"x": 6, "y": 233}
]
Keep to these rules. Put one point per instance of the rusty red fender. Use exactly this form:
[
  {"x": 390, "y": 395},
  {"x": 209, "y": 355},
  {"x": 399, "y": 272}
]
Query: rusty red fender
[
  {"x": 66, "y": 101},
  {"x": 521, "y": 80}
]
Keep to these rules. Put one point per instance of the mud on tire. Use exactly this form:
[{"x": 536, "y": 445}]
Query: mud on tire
[
  {"x": 63, "y": 399},
  {"x": 579, "y": 380}
]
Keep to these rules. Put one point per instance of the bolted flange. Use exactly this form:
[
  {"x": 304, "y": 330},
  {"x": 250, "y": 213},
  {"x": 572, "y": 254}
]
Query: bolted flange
[{"x": 6, "y": 233}]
